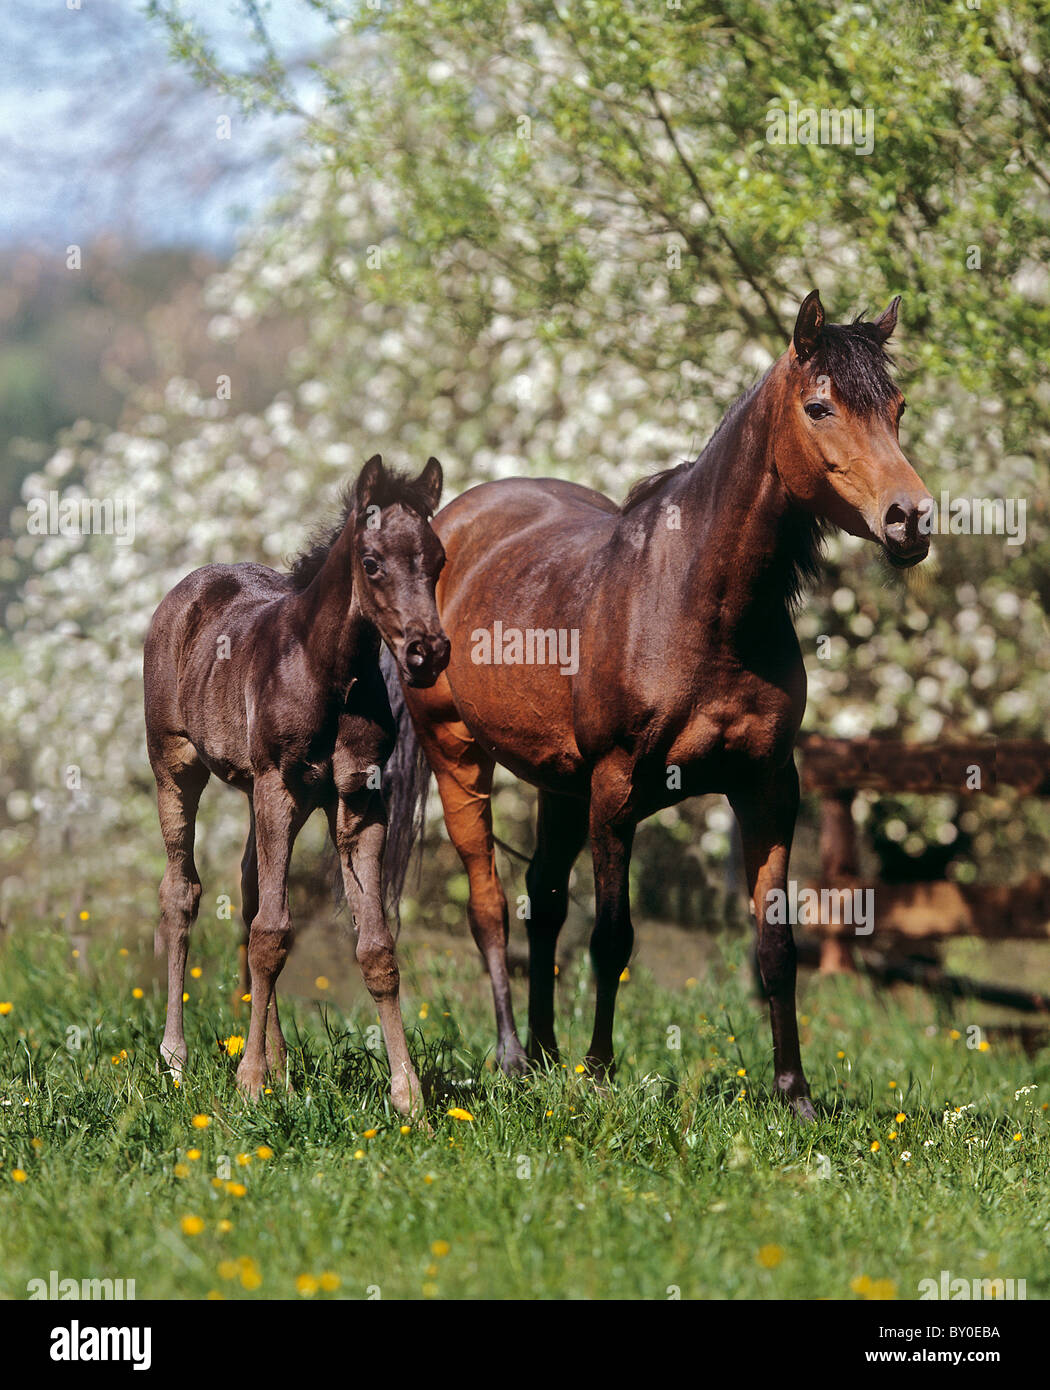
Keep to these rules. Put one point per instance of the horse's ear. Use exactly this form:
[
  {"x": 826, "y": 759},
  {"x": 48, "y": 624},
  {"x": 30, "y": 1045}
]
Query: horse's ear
[
  {"x": 367, "y": 481},
  {"x": 808, "y": 326},
  {"x": 430, "y": 482},
  {"x": 887, "y": 320}
]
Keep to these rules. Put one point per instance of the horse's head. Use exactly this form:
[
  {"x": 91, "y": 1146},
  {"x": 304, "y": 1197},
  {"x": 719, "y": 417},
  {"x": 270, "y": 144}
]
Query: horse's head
[
  {"x": 397, "y": 560},
  {"x": 837, "y": 452}
]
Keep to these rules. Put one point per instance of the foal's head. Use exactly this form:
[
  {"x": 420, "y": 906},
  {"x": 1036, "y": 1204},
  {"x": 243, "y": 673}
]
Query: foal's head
[
  {"x": 838, "y": 452},
  {"x": 397, "y": 559}
]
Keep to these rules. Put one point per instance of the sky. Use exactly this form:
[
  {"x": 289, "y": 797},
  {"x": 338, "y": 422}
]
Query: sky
[{"x": 101, "y": 131}]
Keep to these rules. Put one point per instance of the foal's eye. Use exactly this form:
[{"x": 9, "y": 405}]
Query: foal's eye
[
  {"x": 370, "y": 565},
  {"x": 817, "y": 410}
]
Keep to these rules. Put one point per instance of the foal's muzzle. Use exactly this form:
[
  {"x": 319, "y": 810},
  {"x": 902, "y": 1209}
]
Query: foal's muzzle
[{"x": 424, "y": 658}]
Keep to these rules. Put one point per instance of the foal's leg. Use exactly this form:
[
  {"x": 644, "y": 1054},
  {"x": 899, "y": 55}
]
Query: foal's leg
[
  {"x": 181, "y": 777},
  {"x": 464, "y": 776},
  {"x": 358, "y": 827},
  {"x": 249, "y": 907},
  {"x": 278, "y": 819},
  {"x": 767, "y": 825},
  {"x": 561, "y": 828},
  {"x": 612, "y": 835}
]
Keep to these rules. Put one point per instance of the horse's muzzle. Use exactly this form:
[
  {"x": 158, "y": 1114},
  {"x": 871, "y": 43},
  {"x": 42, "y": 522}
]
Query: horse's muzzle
[{"x": 424, "y": 658}]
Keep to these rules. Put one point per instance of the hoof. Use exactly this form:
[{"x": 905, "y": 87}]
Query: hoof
[
  {"x": 512, "y": 1059},
  {"x": 541, "y": 1057},
  {"x": 794, "y": 1093},
  {"x": 600, "y": 1070}
]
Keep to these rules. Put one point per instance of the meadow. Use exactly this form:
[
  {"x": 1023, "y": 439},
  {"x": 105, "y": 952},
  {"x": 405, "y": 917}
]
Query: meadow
[{"x": 681, "y": 1179}]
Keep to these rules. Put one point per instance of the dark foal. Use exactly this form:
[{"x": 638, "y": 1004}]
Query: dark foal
[
  {"x": 272, "y": 682},
  {"x": 689, "y": 677}
]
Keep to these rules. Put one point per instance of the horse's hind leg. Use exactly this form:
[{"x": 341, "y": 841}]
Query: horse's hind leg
[
  {"x": 464, "y": 776},
  {"x": 181, "y": 778},
  {"x": 561, "y": 828},
  {"x": 612, "y": 836},
  {"x": 358, "y": 828}
]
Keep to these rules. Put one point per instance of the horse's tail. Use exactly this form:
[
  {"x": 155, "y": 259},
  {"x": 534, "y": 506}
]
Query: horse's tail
[{"x": 406, "y": 780}]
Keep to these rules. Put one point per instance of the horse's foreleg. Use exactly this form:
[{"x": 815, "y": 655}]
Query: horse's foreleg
[
  {"x": 277, "y": 822},
  {"x": 249, "y": 907},
  {"x": 464, "y": 770},
  {"x": 612, "y": 835},
  {"x": 358, "y": 828},
  {"x": 767, "y": 824}
]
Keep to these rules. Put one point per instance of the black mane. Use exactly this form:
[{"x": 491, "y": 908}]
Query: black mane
[
  {"x": 391, "y": 489},
  {"x": 854, "y": 356}
]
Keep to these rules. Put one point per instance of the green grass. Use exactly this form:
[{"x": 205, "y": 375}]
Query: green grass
[{"x": 667, "y": 1180}]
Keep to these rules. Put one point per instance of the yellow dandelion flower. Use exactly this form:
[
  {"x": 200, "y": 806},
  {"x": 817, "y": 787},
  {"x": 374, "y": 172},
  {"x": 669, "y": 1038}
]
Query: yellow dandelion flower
[
  {"x": 228, "y": 1269},
  {"x": 359, "y": 1153},
  {"x": 5, "y": 1007},
  {"x": 406, "y": 1129},
  {"x": 193, "y": 1155},
  {"x": 458, "y": 1113},
  {"x": 625, "y": 974},
  {"x": 201, "y": 1121},
  {"x": 431, "y": 1270},
  {"x": 185, "y": 997},
  {"x": 893, "y": 1085},
  {"x": 250, "y": 1276},
  {"x": 371, "y": 1133},
  {"x": 840, "y": 1055},
  {"x": 246, "y": 998},
  {"x": 329, "y": 1281},
  {"x": 123, "y": 951},
  {"x": 37, "y": 1144},
  {"x": 440, "y": 1248},
  {"x": 769, "y": 1256},
  {"x": 955, "y": 1035},
  {"x": 192, "y": 1225},
  {"x": 901, "y": 1118},
  {"x": 892, "y": 1134},
  {"x": 224, "y": 1227},
  {"x": 19, "y": 1174},
  {"x": 429, "y": 1290},
  {"x": 85, "y": 916},
  {"x": 875, "y": 1146},
  {"x": 882, "y": 1289},
  {"x": 306, "y": 1284},
  {"x": 236, "y": 1189},
  {"x": 264, "y": 1151},
  {"x": 1017, "y": 1138},
  {"x": 216, "y": 1183},
  {"x": 983, "y": 1045},
  {"x": 424, "y": 1009},
  {"x": 321, "y": 982},
  {"x": 741, "y": 1071},
  {"x": 233, "y": 1045},
  {"x": 182, "y": 1170},
  {"x": 214, "y": 1296},
  {"x": 580, "y": 1068},
  {"x": 243, "y": 1160},
  {"x": 428, "y": 1178},
  {"x": 861, "y": 1285},
  {"x": 137, "y": 993}
]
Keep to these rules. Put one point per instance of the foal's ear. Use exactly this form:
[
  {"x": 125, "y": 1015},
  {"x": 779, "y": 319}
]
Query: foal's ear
[
  {"x": 887, "y": 320},
  {"x": 367, "y": 481},
  {"x": 808, "y": 326},
  {"x": 430, "y": 482}
]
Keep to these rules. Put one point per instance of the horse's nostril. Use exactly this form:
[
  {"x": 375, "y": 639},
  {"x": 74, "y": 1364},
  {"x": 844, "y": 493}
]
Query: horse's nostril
[{"x": 415, "y": 653}]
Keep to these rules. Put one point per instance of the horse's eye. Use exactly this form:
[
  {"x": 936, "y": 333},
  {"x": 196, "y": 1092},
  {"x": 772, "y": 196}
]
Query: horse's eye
[
  {"x": 817, "y": 410},
  {"x": 370, "y": 565}
]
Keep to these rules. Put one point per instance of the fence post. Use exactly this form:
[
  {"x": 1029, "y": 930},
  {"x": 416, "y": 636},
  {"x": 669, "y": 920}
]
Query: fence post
[{"x": 839, "y": 864}]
